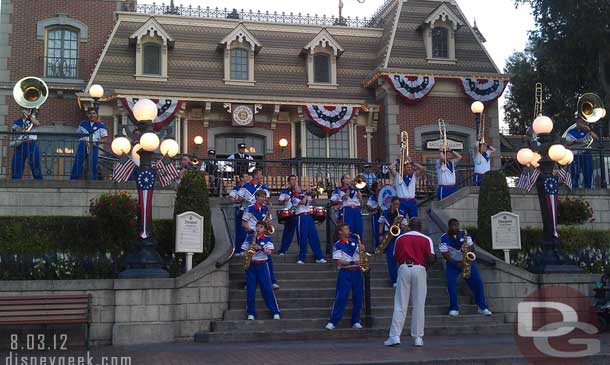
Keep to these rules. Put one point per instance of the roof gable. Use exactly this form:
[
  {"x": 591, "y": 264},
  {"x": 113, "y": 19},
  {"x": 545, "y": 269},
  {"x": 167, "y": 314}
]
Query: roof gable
[
  {"x": 324, "y": 39},
  {"x": 241, "y": 34},
  {"x": 152, "y": 28},
  {"x": 443, "y": 13}
]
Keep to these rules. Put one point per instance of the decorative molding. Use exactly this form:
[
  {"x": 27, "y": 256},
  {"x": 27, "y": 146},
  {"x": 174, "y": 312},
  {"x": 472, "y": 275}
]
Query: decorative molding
[
  {"x": 266, "y": 133},
  {"x": 444, "y": 14},
  {"x": 274, "y": 116},
  {"x": 227, "y": 106},
  {"x": 324, "y": 40},
  {"x": 206, "y": 113},
  {"x": 62, "y": 20},
  {"x": 152, "y": 28},
  {"x": 451, "y": 128},
  {"x": 241, "y": 34},
  {"x": 257, "y": 108}
]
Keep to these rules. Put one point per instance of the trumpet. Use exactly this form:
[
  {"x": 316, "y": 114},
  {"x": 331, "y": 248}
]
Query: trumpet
[
  {"x": 404, "y": 150},
  {"x": 590, "y": 108},
  {"x": 393, "y": 232},
  {"x": 442, "y": 128},
  {"x": 364, "y": 256}
]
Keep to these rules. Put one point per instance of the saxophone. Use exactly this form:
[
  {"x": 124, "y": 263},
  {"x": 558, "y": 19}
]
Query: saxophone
[
  {"x": 364, "y": 256},
  {"x": 249, "y": 253},
  {"x": 393, "y": 232},
  {"x": 270, "y": 229},
  {"x": 468, "y": 257}
]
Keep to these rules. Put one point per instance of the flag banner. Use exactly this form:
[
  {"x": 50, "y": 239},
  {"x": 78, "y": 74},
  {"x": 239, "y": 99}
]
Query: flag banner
[
  {"x": 166, "y": 171},
  {"x": 412, "y": 89},
  {"x": 483, "y": 90},
  {"x": 564, "y": 176},
  {"x": 331, "y": 118},
  {"x": 146, "y": 185},
  {"x": 167, "y": 109},
  {"x": 123, "y": 169},
  {"x": 550, "y": 184}
]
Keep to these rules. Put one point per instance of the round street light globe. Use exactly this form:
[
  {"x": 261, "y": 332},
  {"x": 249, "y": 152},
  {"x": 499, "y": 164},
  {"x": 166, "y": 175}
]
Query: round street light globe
[
  {"x": 525, "y": 156},
  {"x": 121, "y": 146},
  {"x": 567, "y": 159},
  {"x": 198, "y": 140},
  {"x": 477, "y": 107},
  {"x": 542, "y": 125},
  {"x": 283, "y": 142},
  {"x": 536, "y": 159},
  {"x": 134, "y": 153},
  {"x": 96, "y": 91},
  {"x": 145, "y": 109},
  {"x": 149, "y": 141},
  {"x": 169, "y": 148},
  {"x": 557, "y": 152}
]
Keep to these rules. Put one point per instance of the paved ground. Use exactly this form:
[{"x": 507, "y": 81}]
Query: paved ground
[{"x": 438, "y": 350}]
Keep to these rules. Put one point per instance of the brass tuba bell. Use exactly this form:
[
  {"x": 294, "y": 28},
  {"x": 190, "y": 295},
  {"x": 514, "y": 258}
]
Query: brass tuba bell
[
  {"x": 590, "y": 108},
  {"x": 360, "y": 182},
  {"x": 30, "y": 92}
]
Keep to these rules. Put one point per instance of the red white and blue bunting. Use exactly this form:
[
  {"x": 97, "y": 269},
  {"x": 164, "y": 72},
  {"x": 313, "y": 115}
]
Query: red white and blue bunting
[
  {"x": 167, "y": 109},
  {"x": 331, "y": 118},
  {"x": 484, "y": 90},
  {"x": 412, "y": 89}
]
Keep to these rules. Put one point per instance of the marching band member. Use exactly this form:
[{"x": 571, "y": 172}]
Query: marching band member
[
  {"x": 347, "y": 256},
  {"x": 374, "y": 210},
  {"x": 350, "y": 203},
  {"x": 385, "y": 221},
  {"x": 368, "y": 175},
  {"x": 406, "y": 186},
  {"x": 259, "y": 211},
  {"x": 250, "y": 188},
  {"x": 240, "y": 233},
  {"x": 445, "y": 172},
  {"x": 578, "y": 134},
  {"x": 414, "y": 251},
  {"x": 451, "y": 246},
  {"x": 27, "y": 147},
  {"x": 95, "y": 127},
  {"x": 482, "y": 162},
  {"x": 259, "y": 271},
  {"x": 306, "y": 227},
  {"x": 290, "y": 226}
]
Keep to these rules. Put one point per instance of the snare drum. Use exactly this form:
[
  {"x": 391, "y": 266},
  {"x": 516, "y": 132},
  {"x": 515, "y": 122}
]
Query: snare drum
[
  {"x": 284, "y": 214},
  {"x": 319, "y": 214}
]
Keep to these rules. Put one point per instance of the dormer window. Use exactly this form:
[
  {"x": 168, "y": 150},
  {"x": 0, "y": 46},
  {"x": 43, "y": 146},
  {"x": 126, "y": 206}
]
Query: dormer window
[
  {"x": 239, "y": 49},
  {"x": 322, "y": 53},
  {"x": 439, "y": 34},
  {"x": 152, "y": 42}
]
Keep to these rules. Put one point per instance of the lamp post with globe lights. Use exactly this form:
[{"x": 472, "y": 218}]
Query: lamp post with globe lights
[
  {"x": 545, "y": 156},
  {"x": 144, "y": 261}
]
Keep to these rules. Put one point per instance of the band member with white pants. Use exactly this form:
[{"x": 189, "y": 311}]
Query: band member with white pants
[{"x": 413, "y": 251}]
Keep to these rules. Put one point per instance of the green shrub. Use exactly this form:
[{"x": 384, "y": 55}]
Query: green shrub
[
  {"x": 494, "y": 197},
  {"x": 572, "y": 211},
  {"x": 119, "y": 211},
  {"x": 193, "y": 196}
]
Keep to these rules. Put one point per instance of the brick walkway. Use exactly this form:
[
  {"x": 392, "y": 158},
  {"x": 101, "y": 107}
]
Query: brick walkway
[{"x": 438, "y": 350}]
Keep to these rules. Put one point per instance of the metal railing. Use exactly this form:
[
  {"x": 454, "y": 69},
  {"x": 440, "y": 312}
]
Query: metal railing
[
  {"x": 60, "y": 67},
  {"x": 255, "y": 16}
]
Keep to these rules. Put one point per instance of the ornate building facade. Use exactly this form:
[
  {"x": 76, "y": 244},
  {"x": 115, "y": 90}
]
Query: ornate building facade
[{"x": 333, "y": 88}]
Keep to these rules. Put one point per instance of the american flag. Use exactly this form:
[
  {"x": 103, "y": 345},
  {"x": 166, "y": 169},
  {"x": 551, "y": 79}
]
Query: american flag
[
  {"x": 166, "y": 171},
  {"x": 122, "y": 170},
  {"x": 528, "y": 179},
  {"x": 564, "y": 176}
]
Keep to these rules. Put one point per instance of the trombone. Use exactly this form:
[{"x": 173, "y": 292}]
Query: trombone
[
  {"x": 404, "y": 150},
  {"x": 442, "y": 128}
]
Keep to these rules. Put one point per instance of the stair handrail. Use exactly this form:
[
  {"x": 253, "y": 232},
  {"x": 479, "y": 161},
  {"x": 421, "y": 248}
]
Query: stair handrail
[{"x": 232, "y": 253}]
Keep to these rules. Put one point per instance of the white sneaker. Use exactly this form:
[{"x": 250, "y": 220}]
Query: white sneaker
[
  {"x": 320, "y": 261},
  {"x": 454, "y": 313},
  {"x": 250, "y": 317},
  {"x": 392, "y": 341},
  {"x": 276, "y": 316},
  {"x": 282, "y": 254},
  {"x": 357, "y": 326},
  {"x": 485, "y": 312},
  {"x": 330, "y": 326},
  {"x": 275, "y": 286},
  {"x": 239, "y": 254},
  {"x": 419, "y": 342},
  {"x": 300, "y": 262}
]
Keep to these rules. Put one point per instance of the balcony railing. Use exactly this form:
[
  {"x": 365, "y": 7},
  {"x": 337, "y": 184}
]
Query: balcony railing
[
  {"x": 61, "y": 68},
  {"x": 255, "y": 16}
]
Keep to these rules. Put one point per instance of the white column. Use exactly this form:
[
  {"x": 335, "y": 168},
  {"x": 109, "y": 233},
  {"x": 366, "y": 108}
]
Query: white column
[{"x": 185, "y": 136}]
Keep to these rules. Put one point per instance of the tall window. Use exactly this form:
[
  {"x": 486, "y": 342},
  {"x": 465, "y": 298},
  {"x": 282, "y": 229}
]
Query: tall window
[
  {"x": 335, "y": 146},
  {"x": 321, "y": 67},
  {"x": 62, "y": 53},
  {"x": 440, "y": 42},
  {"x": 151, "y": 53},
  {"x": 239, "y": 64}
]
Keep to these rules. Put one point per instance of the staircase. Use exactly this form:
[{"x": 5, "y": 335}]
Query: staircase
[{"x": 306, "y": 296}]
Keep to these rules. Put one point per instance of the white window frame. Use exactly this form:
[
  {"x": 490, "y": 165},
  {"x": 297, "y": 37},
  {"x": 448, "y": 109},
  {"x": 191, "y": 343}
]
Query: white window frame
[
  {"x": 351, "y": 140},
  {"x": 323, "y": 42},
  {"x": 151, "y": 32},
  {"x": 227, "y": 60},
  {"x": 444, "y": 17}
]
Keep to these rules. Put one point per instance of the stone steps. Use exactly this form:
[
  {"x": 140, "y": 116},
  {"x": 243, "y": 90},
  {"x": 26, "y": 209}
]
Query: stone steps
[
  {"x": 434, "y": 284},
  {"x": 291, "y": 302}
]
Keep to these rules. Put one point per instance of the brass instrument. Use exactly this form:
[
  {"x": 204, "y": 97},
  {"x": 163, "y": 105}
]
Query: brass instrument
[
  {"x": 468, "y": 257},
  {"x": 360, "y": 182},
  {"x": 404, "y": 150},
  {"x": 539, "y": 101},
  {"x": 442, "y": 128},
  {"x": 393, "y": 232},
  {"x": 481, "y": 136},
  {"x": 29, "y": 93},
  {"x": 269, "y": 228},
  {"x": 590, "y": 108},
  {"x": 364, "y": 256},
  {"x": 249, "y": 253}
]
